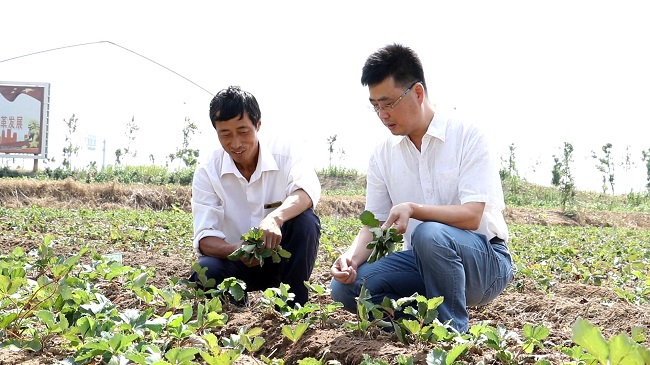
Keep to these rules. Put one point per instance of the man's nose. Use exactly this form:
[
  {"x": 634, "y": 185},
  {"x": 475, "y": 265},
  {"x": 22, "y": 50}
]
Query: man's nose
[{"x": 236, "y": 141}]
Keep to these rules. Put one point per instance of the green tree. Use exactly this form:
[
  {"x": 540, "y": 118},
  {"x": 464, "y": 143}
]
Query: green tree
[
  {"x": 645, "y": 157},
  {"x": 627, "y": 163},
  {"x": 330, "y": 141},
  {"x": 606, "y": 166},
  {"x": 511, "y": 169},
  {"x": 131, "y": 129},
  {"x": 70, "y": 148},
  {"x": 556, "y": 173},
  {"x": 188, "y": 155},
  {"x": 563, "y": 178}
]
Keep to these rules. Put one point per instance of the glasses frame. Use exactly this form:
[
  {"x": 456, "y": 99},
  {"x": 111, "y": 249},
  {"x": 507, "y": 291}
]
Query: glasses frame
[{"x": 389, "y": 107}]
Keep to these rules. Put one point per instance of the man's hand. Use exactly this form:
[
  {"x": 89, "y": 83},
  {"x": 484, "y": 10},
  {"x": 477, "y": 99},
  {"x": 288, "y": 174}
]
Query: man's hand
[
  {"x": 271, "y": 233},
  {"x": 399, "y": 217},
  {"x": 344, "y": 270},
  {"x": 252, "y": 263}
]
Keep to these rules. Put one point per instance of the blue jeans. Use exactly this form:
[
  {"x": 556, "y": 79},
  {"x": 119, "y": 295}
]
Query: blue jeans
[
  {"x": 300, "y": 236},
  {"x": 459, "y": 265}
]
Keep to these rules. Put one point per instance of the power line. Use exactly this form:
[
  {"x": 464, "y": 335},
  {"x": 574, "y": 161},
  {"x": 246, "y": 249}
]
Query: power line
[{"x": 117, "y": 45}]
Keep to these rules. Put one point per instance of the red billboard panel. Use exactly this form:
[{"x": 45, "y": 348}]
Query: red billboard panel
[{"x": 24, "y": 114}]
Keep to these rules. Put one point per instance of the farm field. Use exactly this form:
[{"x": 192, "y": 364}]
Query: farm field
[{"x": 61, "y": 300}]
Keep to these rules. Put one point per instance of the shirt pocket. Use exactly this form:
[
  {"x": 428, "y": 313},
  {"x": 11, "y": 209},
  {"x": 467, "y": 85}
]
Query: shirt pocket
[{"x": 446, "y": 186}]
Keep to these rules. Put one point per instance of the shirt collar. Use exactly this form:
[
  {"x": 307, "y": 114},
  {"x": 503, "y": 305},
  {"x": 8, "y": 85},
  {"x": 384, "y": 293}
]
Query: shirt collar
[
  {"x": 266, "y": 162},
  {"x": 436, "y": 129}
]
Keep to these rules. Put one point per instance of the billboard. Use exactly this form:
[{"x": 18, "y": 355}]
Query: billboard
[{"x": 24, "y": 119}]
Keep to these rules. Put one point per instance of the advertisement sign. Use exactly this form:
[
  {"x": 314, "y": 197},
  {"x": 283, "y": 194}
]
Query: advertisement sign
[{"x": 24, "y": 119}]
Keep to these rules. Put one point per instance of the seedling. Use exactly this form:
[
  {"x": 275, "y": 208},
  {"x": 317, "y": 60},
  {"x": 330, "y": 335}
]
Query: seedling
[
  {"x": 384, "y": 240},
  {"x": 253, "y": 248}
]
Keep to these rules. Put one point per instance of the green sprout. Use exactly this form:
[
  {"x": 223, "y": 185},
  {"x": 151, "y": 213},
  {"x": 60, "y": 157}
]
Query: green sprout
[
  {"x": 253, "y": 248},
  {"x": 384, "y": 240}
]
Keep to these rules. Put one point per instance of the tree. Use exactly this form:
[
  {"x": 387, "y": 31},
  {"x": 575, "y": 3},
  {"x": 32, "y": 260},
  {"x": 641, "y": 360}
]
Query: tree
[
  {"x": 511, "y": 170},
  {"x": 330, "y": 141},
  {"x": 556, "y": 173},
  {"x": 645, "y": 157},
  {"x": 131, "y": 129},
  {"x": 562, "y": 176},
  {"x": 627, "y": 163},
  {"x": 605, "y": 166},
  {"x": 188, "y": 155},
  {"x": 70, "y": 148}
]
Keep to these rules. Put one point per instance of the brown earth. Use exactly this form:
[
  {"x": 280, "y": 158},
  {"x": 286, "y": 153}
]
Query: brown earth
[{"x": 557, "y": 309}]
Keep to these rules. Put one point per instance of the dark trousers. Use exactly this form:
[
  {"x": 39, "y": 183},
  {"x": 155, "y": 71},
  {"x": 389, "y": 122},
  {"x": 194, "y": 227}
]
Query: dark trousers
[{"x": 300, "y": 236}]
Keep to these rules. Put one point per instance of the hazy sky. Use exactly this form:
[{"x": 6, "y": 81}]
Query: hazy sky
[{"x": 536, "y": 74}]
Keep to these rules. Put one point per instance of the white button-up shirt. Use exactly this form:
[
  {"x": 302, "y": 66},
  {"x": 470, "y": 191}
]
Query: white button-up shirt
[
  {"x": 226, "y": 205},
  {"x": 454, "y": 166}
]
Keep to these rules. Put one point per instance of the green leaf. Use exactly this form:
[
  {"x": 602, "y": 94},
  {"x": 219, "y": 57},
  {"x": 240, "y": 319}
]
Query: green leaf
[
  {"x": 156, "y": 325},
  {"x": 309, "y": 361},
  {"x": 377, "y": 232},
  {"x": 591, "y": 339},
  {"x": 623, "y": 351},
  {"x": 248, "y": 248},
  {"x": 179, "y": 355},
  {"x": 276, "y": 258},
  {"x": 538, "y": 332},
  {"x": 140, "y": 280},
  {"x": 284, "y": 253},
  {"x": 5, "y": 284},
  {"x": 257, "y": 344},
  {"x": 455, "y": 352},
  {"x": 223, "y": 358},
  {"x": 187, "y": 314},
  {"x": 7, "y": 319},
  {"x": 436, "y": 357},
  {"x": 638, "y": 334},
  {"x": 411, "y": 325},
  {"x": 253, "y": 235},
  {"x": 368, "y": 219},
  {"x": 294, "y": 334}
]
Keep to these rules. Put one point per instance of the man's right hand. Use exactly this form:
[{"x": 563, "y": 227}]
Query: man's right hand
[
  {"x": 344, "y": 270},
  {"x": 252, "y": 263}
]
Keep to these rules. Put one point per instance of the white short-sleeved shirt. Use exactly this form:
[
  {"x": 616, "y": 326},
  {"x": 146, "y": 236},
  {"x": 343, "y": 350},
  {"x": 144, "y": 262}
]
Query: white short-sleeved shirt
[
  {"x": 226, "y": 205},
  {"x": 455, "y": 166}
]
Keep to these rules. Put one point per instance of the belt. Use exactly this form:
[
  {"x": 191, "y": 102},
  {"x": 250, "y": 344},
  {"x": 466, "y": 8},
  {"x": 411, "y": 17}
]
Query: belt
[{"x": 497, "y": 240}]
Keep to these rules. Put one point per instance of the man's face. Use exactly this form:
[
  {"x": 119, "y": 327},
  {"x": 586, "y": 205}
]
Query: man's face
[
  {"x": 238, "y": 137},
  {"x": 394, "y": 105}
]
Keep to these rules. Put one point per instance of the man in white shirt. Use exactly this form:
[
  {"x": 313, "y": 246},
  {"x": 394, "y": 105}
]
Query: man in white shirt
[
  {"x": 436, "y": 181},
  {"x": 247, "y": 183}
]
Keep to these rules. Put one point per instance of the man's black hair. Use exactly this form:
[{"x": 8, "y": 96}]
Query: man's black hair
[
  {"x": 396, "y": 60},
  {"x": 233, "y": 102}
]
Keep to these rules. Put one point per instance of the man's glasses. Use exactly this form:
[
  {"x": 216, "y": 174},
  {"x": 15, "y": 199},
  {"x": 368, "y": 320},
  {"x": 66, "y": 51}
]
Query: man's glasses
[{"x": 389, "y": 107}]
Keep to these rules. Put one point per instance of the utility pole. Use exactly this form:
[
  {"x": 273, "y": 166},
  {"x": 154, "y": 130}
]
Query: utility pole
[{"x": 104, "y": 154}]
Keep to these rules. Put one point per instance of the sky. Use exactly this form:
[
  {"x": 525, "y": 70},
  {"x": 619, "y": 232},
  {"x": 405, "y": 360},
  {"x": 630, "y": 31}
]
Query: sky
[{"x": 534, "y": 75}]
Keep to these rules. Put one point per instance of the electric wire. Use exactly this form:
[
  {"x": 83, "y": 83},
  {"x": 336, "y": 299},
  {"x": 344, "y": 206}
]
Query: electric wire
[{"x": 114, "y": 44}]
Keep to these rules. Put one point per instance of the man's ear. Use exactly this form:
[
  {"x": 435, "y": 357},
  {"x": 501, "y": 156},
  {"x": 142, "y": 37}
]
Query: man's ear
[
  {"x": 419, "y": 90},
  {"x": 259, "y": 124}
]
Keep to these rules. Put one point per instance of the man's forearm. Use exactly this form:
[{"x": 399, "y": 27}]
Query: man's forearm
[
  {"x": 216, "y": 247},
  {"x": 466, "y": 216},
  {"x": 358, "y": 251},
  {"x": 296, "y": 203}
]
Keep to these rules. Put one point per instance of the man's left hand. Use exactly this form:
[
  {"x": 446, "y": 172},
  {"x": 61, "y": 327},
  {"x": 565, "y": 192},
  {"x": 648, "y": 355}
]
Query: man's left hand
[
  {"x": 271, "y": 233},
  {"x": 399, "y": 217}
]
